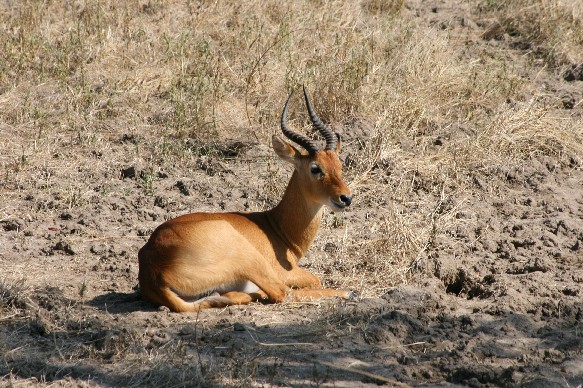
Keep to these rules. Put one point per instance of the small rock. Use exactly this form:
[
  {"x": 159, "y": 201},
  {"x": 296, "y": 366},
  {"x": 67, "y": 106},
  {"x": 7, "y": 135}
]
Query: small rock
[
  {"x": 575, "y": 73},
  {"x": 65, "y": 247},
  {"x": 182, "y": 187},
  {"x": 13, "y": 225},
  {"x": 129, "y": 172}
]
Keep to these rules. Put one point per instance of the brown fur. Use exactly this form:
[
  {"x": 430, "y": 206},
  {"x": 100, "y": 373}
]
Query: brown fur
[{"x": 196, "y": 253}]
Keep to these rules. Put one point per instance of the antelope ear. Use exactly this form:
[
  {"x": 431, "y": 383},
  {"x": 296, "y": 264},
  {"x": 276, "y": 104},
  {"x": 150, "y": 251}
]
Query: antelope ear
[
  {"x": 284, "y": 150},
  {"x": 338, "y": 142}
]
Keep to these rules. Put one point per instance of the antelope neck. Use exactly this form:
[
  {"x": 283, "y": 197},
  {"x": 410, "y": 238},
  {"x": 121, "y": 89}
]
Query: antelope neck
[{"x": 295, "y": 219}]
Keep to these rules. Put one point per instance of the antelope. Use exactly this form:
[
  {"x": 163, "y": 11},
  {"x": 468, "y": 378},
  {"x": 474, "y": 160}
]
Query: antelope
[{"x": 210, "y": 260}]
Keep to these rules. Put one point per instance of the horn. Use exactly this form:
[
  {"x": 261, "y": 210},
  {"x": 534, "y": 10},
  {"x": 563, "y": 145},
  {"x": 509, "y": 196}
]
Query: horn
[
  {"x": 309, "y": 145},
  {"x": 328, "y": 134}
]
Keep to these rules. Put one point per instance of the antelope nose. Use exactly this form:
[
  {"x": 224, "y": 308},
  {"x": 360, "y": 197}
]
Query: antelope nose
[{"x": 346, "y": 199}]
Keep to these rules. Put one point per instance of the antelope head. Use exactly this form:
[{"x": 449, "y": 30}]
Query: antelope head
[{"x": 319, "y": 171}]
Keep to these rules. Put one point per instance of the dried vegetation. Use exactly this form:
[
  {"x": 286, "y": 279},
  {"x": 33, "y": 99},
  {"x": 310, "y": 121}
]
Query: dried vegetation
[{"x": 103, "y": 102}]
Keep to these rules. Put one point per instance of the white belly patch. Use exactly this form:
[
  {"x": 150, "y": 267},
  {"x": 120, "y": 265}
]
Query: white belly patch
[{"x": 240, "y": 285}]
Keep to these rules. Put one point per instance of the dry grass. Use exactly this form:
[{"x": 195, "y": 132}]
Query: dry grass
[
  {"x": 78, "y": 79},
  {"x": 90, "y": 88},
  {"x": 13, "y": 297},
  {"x": 551, "y": 30}
]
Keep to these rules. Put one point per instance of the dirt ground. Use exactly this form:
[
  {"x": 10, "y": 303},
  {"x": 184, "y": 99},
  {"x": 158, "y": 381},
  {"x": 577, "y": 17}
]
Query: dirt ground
[{"x": 494, "y": 299}]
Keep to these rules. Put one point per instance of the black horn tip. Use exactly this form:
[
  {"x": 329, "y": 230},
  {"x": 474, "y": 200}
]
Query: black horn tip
[
  {"x": 309, "y": 104},
  {"x": 284, "y": 113}
]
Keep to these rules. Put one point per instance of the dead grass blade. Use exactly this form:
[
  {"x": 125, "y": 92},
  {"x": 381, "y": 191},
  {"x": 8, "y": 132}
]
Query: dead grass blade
[{"x": 373, "y": 376}]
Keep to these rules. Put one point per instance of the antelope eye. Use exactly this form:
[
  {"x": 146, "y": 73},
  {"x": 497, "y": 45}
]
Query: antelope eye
[{"x": 315, "y": 169}]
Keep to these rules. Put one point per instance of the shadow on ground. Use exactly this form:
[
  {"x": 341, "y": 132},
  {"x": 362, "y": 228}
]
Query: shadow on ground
[{"x": 405, "y": 337}]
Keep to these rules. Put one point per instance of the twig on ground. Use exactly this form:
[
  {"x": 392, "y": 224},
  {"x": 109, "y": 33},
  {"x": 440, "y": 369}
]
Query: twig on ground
[
  {"x": 374, "y": 376},
  {"x": 403, "y": 346}
]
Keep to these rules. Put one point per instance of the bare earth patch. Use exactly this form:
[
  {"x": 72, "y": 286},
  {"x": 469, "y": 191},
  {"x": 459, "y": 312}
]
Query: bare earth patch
[{"x": 462, "y": 140}]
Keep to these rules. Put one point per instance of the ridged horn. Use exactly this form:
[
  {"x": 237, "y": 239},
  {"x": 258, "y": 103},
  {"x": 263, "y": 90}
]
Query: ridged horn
[
  {"x": 308, "y": 144},
  {"x": 328, "y": 134}
]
